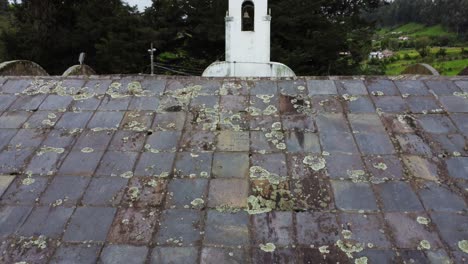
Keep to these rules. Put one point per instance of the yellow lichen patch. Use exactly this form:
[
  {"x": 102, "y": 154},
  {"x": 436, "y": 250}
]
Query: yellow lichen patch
[
  {"x": 324, "y": 250},
  {"x": 423, "y": 220},
  {"x": 315, "y": 163},
  {"x": 424, "y": 245},
  {"x": 265, "y": 97},
  {"x": 361, "y": 260},
  {"x": 378, "y": 93},
  {"x": 87, "y": 150},
  {"x": 357, "y": 175},
  {"x": 268, "y": 247},
  {"x": 349, "y": 98},
  {"x": 197, "y": 203},
  {"x": 347, "y": 234},
  {"x": 380, "y": 166},
  {"x": 462, "y": 95},
  {"x": 227, "y": 209},
  {"x": 127, "y": 175},
  {"x": 133, "y": 193},
  {"x": 463, "y": 246},
  {"x": 349, "y": 248},
  {"x": 46, "y": 149}
]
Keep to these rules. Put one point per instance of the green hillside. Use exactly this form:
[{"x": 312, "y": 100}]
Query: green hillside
[{"x": 416, "y": 30}]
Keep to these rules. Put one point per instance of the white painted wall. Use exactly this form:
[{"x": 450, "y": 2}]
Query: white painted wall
[
  {"x": 248, "y": 69},
  {"x": 248, "y": 46}
]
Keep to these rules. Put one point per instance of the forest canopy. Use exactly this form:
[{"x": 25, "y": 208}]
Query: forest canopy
[{"x": 313, "y": 37}]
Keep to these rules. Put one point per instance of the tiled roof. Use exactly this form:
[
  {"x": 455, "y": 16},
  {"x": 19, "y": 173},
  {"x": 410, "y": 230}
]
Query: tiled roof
[{"x": 135, "y": 169}]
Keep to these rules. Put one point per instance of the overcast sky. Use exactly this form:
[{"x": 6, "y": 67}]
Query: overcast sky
[{"x": 140, "y": 3}]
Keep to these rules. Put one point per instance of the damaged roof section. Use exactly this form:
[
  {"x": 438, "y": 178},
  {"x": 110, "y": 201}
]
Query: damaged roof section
[{"x": 142, "y": 169}]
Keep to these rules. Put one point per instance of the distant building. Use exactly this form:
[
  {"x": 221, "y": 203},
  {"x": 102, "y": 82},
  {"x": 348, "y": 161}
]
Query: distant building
[
  {"x": 248, "y": 43},
  {"x": 381, "y": 54},
  {"x": 403, "y": 38}
]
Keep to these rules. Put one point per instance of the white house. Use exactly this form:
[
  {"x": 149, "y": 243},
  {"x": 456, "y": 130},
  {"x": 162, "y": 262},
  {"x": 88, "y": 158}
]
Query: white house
[{"x": 248, "y": 43}]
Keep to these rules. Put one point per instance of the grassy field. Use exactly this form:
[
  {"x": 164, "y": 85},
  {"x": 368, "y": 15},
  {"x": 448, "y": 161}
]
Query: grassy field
[
  {"x": 447, "y": 68},
  {"x": 416, "y": 30}
]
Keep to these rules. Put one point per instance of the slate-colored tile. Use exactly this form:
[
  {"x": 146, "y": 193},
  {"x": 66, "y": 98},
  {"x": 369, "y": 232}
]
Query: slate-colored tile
[
  {"x": 67, "y": 189},
  {"x": 458, "y": 167},
  {"x": 411, "y": 87},
  {"x": 88, "y": 163},
  {"x": 453, "y": 228},
  {"x": 13, "y": 119},
  {"x": 43, "y": 119},
  {"x": 146, "y": 103},
  {"x": 181, "y": 193},
  {"x": 14, "y": 161},
  {"x": 454, "y": 104},
  {"x": 449, "y": 143},
  {"x": 384, "y": 167},
  {"x": 55, "y": 102},
  {"x": 366, "y": 123},
  {"x": 352, "y": 87},
  {"x": 169, "y": 121},
  {"x": 422, "y": 104},
  {"x": 59, "y": 139},
  {"x": 83, "y": 254},
  {"x": 114, "y": 104},
  {"x": 212, "y": 255},
  {"x": 298, "y": 122},
  {"x": 230, "y": 165},
  {"x": 128, "y": 141},
  {"x": 264, "y": 87},
  {"x": 106, "y": 120},
  {"x": 155, "y": 164},
  {"x": 144, "y": 192},
  {"x": 89, "y": 223},
  {"x": 260, "y": 143},
  {"x": 378, "y": 256},
  {"x": 316, "y": 229},
  {"x": 137, "y": 120},
  {"x": 440, "y": 198},
  {"x": 273, "y": 163},
  {"x": 28, "y": 138},
  {"x": 278, "y": 256},
  {"x": 326, "y": 104},
  {"x": 193, "y": 164},
  {"x": 365, "y": 229},
  {"x": 345, "y": 166},
  {"x": 413, "y": 144},
  {"x": 13, "y": 86},
  {"x": 260, "y": 123},
  {"x": 228, "y": 192},
  {"x": 27, "y": 103},
  {"x": 274, "y": 227},
  {"x": 170, "y": 255},
  {"x": 351, "y": 196},
  {"x": 24, "y": 192},
  {"x": 362, "y": 104},
  {"x": 298, "y": 141},
  {"x": 5, "y": 136},
  {"x": 437, "y": 124},
  {"x": 179, "y": 228},
  {"x": 98, "y": 140},
  {"x": 398, "y": 196},
  {"x": 106, "y": 191},
  {"x": 334, "y": 255},
  {"x": 116, "y": 163},
  {"x": 391, "y": 104},
  {"x": 6, "y": 100},
  {"x": 321, "y": 87},
  {"x": 226, "y": 229},
  {"x": 332, "y": 123},
  {"x": 72, "y": 120},
  {"x": 123, "y": 254},
  {"x": 419, "y": 167},
  {"x": 235, "y": 103},
  {"x": 133, "y": 226},
  {"x": 374, "y": 144},
  {"x": 164, "y": 140},
  {"x": 90, "y": 104},
  {"x": 408, "y": 233},
  {"x": 11, "y": 218},
  {"x": 5, "y": 182},
  {"x": 413, "y": 256},
  {"x": 198, "y": 141},
  {"x": 440, "y": 87},
  {"x": 233, "y": 141},
  {"x": 382, "y": 85},
  {"x": 47, "y": 221}
]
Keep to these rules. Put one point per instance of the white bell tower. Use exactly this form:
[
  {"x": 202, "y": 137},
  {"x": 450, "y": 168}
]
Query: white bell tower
[
  {"x": 248, "y": 31},
  {"x": 248, "y": 27}
]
